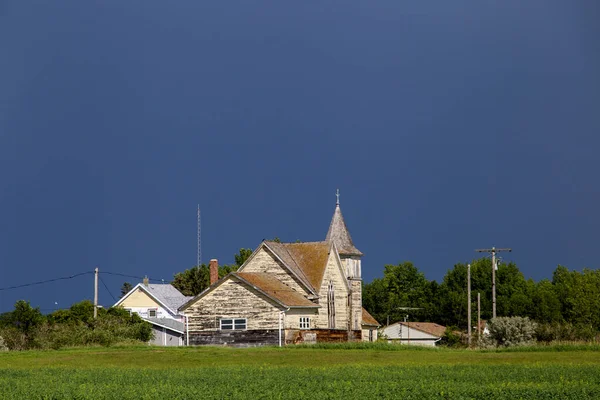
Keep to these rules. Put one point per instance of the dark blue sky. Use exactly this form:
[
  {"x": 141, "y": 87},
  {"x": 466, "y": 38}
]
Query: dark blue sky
[{"x": 447, "y": 126}]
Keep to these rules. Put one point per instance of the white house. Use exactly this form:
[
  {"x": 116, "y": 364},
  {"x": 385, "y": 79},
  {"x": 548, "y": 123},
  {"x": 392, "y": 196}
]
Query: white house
[{"x": 158, "y": 304}]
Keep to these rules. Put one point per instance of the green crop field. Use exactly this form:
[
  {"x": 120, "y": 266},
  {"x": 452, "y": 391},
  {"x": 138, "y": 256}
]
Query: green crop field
[{"x": 329, "y": 372}]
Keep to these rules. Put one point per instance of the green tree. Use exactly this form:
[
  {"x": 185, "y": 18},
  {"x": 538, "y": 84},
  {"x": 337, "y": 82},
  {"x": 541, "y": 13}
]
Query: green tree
[
  {"x": 547, "y": 304},
  {"x": 192, "y": 281},
  {"x": 125, "y": 288},
  {"x": 402, "y": 286},
  {"x": 26, "y": 318},
  {"x": 242, "y": 256}
]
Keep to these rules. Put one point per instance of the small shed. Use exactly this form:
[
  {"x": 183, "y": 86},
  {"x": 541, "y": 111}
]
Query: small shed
[
  {"x": 414, "y": 333},
  {"x": 167, "y": 332}
]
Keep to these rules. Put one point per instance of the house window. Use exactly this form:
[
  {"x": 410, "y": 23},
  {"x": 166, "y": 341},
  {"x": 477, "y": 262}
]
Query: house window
[
  {"x": 370, "y": 335},
  {"x": 233, "y": 324},
  {"x": 304, "y": 322},
  {"x": 152, "y": 313}
]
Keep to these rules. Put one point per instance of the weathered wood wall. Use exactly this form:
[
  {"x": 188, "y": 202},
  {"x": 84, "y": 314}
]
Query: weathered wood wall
[
  {"x": 356, "y": 285},
  {"x": 265, "y": 261},
  {"x": 365, "y": 334},
  {"x": 335, "y": 275},
  {"x": 299, "y": 336},
  {"x": 248, "y": 338},
  {"x": 232, "y": 300},
  {"x": 292, "y": 318}
]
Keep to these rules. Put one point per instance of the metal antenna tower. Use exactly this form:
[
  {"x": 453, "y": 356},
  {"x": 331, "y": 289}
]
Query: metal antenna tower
[
  {"x": 199, "y": 255},
  {"x": 493, "y": 252}
]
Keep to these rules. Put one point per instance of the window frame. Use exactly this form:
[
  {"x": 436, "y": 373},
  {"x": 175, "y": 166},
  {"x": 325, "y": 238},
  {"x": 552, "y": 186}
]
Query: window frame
[
  {"x": 153, "y": 310},
  {"x": 304, "y": 322},
  {"x": 235, "y": 324}
]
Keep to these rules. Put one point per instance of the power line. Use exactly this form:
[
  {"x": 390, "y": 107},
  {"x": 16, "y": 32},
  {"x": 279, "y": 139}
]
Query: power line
[
  {"x": 130, "y": 276},
  {"x": 107, "y": 289},
  {"x": 46, "y": 281}
]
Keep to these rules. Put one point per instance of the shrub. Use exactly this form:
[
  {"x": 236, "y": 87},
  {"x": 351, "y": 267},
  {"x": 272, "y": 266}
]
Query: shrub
[
  {"x": 551, "y": 332},
  {"x": 452, "y": 337},
  {"x": 511, "y": 331},
  {"x": 3, "y": 346}
]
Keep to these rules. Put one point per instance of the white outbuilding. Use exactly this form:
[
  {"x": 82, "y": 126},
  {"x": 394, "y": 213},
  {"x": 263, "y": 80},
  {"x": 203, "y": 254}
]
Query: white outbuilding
[{"x": 414, "y": 333}]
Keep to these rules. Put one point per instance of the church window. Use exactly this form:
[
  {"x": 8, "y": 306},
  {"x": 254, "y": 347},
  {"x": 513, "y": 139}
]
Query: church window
[
  {"x": 304, "y": 322},
  {"x": 331, "y": 305}
]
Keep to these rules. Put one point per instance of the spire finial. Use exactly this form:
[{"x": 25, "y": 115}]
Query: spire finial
[{"x": 337, "y": 195}]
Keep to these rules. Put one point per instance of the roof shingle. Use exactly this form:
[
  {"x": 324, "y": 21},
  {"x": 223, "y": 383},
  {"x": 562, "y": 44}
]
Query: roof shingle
[
  {"x": 338, "y": 233},
  {"x": 367, "y": 319},
  {"x": 275, "y": 289},
  {"x": 309, "y": 258}
]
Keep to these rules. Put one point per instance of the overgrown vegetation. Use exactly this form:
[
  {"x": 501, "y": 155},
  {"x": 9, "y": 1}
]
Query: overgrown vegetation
[{"x": 26, "y": 328}]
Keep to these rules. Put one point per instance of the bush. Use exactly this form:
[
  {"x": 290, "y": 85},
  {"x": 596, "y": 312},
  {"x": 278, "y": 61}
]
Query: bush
[
  {"x": 25, "y": 328},
  {"x": 452, "y": 337},
  {"x": 565, "y": 332},
  {"x": 511, "y": 331},
  {"x": 3, "y": 346}
]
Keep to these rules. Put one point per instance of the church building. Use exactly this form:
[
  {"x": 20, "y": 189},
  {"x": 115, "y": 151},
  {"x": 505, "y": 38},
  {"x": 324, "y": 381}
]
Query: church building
[{"x": 286, "y": 293}]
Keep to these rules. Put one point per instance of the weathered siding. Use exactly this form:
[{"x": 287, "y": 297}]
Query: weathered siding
[
  {"x": 232, "y": 299},
  {"x": 333, "y": 274},
  {"x": 299, "y": 336},
  {"x": 356, "y": 285},
  {"x": 369, "y": 334},
  {"x": 292, "y": 318},
  {"x": 246, "y": 338},
  {"x": 267, "y": 262}
]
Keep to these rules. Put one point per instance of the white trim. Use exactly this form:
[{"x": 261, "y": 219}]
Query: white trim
[{"x": 143, "y": 287}]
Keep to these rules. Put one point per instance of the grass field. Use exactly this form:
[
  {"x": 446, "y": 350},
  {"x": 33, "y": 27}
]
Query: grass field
[{"x": 301, "y": 373}]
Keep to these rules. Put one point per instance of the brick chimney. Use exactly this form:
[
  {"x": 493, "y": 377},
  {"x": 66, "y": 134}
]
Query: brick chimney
[{"x": 214, "y": 271}]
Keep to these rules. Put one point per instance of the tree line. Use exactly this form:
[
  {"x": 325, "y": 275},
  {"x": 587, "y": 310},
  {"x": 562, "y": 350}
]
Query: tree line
[{"x": 567, "y": 307}]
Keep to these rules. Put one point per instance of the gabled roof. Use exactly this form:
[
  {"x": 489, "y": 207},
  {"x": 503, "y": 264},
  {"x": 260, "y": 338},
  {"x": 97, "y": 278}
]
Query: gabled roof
[
  {"x": 338, "y": 233},
  {"x": 264, "y": 283},
  {"x": 275, "y": 289},
  {"x": 367, "y": 319},
  {"x": 163, "y": 293},
  {"x": 308, "y": 259},
  {"x": 427, "y": 327}
]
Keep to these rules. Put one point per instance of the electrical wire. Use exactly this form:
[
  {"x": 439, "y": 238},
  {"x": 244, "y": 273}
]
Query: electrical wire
[
  {"x": 46, "y": 281},
  {"x": 131, "y": 276},
  {"x": 106, "y": 287}
]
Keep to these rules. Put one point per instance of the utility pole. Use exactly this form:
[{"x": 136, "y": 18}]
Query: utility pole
[
  {"x": 493, "y": 251},
  {"x": 407, "y": 329},
  {"x": 478, "y": 317},
  {"x": 96, "y": 293},
  {"x": 469, "y": 304}
]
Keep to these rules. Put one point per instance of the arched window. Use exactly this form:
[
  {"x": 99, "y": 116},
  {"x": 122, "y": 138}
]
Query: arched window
[{"x": 331, "y": 305}]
